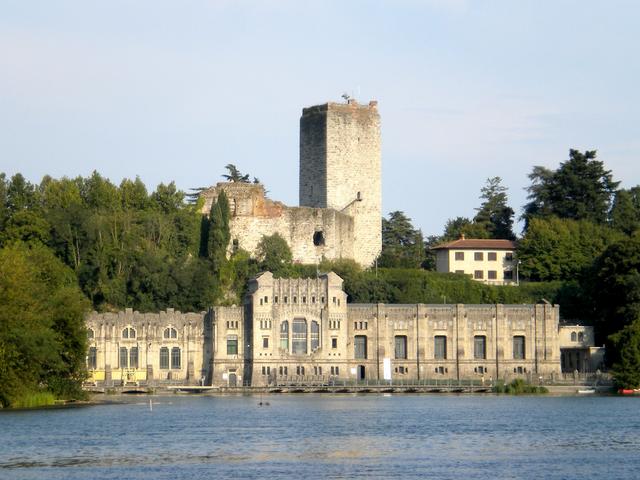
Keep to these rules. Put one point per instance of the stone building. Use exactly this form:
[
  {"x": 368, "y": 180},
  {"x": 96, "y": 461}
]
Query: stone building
[
  {"x": 340, "y": 212},
  {"x": 303, "y": 330},
  {"x": 578, "y": 351}
]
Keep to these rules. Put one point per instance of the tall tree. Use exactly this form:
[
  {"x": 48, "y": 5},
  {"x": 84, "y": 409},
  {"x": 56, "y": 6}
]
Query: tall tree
[
  {"x": 219, "y": 234},
  {"x": 402, "y": 244},
  {"x": 625, "y": 214},
  {"x": 626, "y": 370},
  {"x": 580, "y": 189},
  {"x": 494, "y": 213},
  {"x": 274, "y": 255},
  {"x": 234, "y": 174}
]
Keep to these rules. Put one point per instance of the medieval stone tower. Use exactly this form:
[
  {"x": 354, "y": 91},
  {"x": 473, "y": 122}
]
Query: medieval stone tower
[{"x": 340, "y": 169}]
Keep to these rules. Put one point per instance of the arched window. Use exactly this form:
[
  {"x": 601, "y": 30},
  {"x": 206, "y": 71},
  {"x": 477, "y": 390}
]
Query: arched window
[
  {"x": 170, "y": 332},
  {"x": 299, "y": 336},
  {"x": 90, "y": 333},
  {"x": 315, "y": 336},
  {"x": 133, "y": 357},
  {"x": 175, "y": 358},
  {"x": 128, "y": 332},
  {"x": 284, "y": 335},
  {"x": 574, "y": 336},
  {"x": 581, "y": 337},
  {"x": 164, "y": 358}
]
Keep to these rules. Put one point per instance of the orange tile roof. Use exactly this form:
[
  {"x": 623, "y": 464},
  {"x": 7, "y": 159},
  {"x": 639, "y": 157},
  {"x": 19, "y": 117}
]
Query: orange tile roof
[{"x": 477, "y": 243}]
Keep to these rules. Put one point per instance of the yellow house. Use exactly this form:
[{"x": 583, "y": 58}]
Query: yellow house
[{"x": 486, "y": 260}]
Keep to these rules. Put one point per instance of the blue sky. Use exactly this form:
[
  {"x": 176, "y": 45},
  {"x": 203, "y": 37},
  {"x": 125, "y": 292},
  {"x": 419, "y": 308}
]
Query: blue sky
[{"x": 467, "y": 90}]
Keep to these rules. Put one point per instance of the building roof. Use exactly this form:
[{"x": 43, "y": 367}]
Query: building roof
[{"x": 477, "y": 244}]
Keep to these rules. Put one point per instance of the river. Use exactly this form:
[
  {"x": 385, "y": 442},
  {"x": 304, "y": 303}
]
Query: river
[{"x": 326, "y": 436}]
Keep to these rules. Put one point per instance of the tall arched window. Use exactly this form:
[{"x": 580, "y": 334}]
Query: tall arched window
[
  {"x": 581, "y": 337},
  {"x": 574, "y": 336},
  {"x": 90, "y": 333},
  {"x": 128, "y": 332},
  {"x": 315, "y": 336},
  {"x": 284, "y": 335},
  {"x": 299, "y": 336},
  {"x": 175, "y": 358},
  {"x": 164, "y": 358},
  {"x": 170, "y": 332}
]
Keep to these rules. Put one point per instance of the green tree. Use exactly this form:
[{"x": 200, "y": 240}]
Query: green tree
[
  {"x": 457, "y": 227},
  {"x": 561, "y": 249},
  {"x": 580, "y": 189},
  {"x": 625, "y": 214},
  {"x": 234, "y": 175},
  {"x": 274, "y": 255},
  {"x": 494, "y": 213},
  {"x": 402, "y": 244},
  {"x": 626, "y": 370},
  {"x": 42, "y": 332},
  {"x": 219, "y": 233},
  {"x": 614, "y": 287}
]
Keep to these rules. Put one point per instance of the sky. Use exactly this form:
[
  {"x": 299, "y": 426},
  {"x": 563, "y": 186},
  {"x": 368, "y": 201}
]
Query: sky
[{"x": 174, "y": 91}]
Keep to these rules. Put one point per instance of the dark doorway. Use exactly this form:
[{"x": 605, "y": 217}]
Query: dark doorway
[
  {"x": 361, "y": 372},
  {"x": 233, "y": 380}
]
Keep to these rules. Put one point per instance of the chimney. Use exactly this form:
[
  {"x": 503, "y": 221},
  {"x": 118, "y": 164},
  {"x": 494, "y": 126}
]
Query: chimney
[{"x": 462, "y": 236}]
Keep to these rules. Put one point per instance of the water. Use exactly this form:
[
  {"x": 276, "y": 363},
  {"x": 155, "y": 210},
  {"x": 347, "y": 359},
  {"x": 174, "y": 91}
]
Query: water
[{"x": 323, "y": 436}]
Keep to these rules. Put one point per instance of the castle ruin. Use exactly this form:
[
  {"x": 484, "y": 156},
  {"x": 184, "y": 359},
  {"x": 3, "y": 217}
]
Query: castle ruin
[{"x": 340, "y": 212}]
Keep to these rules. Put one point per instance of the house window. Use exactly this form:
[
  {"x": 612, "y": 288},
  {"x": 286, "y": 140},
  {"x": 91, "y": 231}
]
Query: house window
[
  {"x": 334, "y": 343},
  {"x": 232, "y": 345},
  {"x": 299, "y": 336},
  {"x": 508, "y": 256},
  {"x": 479, "y": 347},
  {"x": 440, "y": 347},
  {"x": 124, "y": 357},
  {"x": 459, "y": 256},
  {"x": 574, "y": 337},
  {"x": 492, "y": 256},
  {"x": 581, "y": 337},
  {"x": 284, "y": 335},
  {"x": 133, "y": 357},
  {"x": 401, "y": 346},
  {"x": 478, "y": 274},
  {"x": 315, "y": 336},
  {"x": 265, "y": 342},
  {"x": 508, "y": 274},
  {"x": 275, "y": 299},
  {"x": 518, "y": 347},
  {"x": 164, "y": 358},
  {"x": 360, "y": 346},
  {"x": 478, "y": 256},
  {"x": 92, "y": 360},
  {"x": 90, "y": 334},
  {"x": 175, "y": 358},
  {"x": 492, "y": 275},
  {"x": 170, "y": 332}
]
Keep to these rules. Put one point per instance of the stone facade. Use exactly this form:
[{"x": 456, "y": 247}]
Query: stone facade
[
  {"x": 578, "y": 352},
  {"x": 340, "y": 211},
  {"x": 303, "y": 330}
]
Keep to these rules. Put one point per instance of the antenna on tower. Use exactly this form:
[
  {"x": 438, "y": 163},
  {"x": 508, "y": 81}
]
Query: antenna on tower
[{"x": 346, "y": 97}]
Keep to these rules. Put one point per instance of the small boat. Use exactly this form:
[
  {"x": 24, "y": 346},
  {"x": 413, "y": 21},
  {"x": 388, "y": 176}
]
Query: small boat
[
  {"x": 586, "y": 391},
  {"x": 626, "y": 391}
]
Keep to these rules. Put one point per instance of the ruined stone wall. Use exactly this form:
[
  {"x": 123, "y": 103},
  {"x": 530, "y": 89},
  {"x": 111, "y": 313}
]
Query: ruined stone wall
[
  {"x": 311, "y": 233},
  {"x": 340, "y": 168}
]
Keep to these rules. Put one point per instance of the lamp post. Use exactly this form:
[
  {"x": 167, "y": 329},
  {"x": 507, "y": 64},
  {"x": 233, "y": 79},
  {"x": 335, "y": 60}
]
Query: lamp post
[{"x": 518, "y": 273}]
